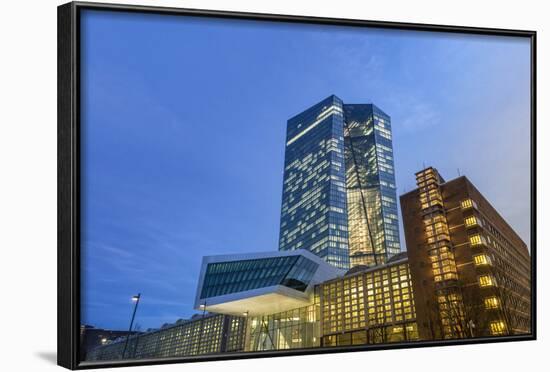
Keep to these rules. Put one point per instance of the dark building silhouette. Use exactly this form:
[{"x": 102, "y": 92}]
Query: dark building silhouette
[{"x": 91, "y": 337}]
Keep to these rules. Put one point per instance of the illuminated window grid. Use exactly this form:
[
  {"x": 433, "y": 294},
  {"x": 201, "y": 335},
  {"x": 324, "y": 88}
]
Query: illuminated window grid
[
  {"x": 497, "y": 327},
  {"x": 430, "y": 197},
  {"x": 297, "y": 328},
  {"x": 437, "y": 232},
  {"x": 471, "y": 221},
  {"x": 441, "y": 257},
  {"x": 486, "y": 281},
  {"x": 436, "y": 228},
  {"x": 316, "y": 158},
  {"x": 443, "y": 264},
  {"x": 482, "y": 259},
  {"x": 467, "y": 203},
  {"x": 368, "y": 300},
  {"x": 235, "y": 337},
  {"x": 491, "y": 302},
  {"x": 426, "y": 176},
  {"x": 451, "y": 312},
  {"x": 427, "y": 182},
  {"x": 203, "y": 336},
  {"x": 210, "y": 337},
  {"x": 376, "y": 335},
  {"x": 476, "y": 240}
]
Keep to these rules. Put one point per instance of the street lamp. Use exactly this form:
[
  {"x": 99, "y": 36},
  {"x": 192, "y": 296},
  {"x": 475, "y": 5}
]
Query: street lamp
[{"x": 135, "y": 299}]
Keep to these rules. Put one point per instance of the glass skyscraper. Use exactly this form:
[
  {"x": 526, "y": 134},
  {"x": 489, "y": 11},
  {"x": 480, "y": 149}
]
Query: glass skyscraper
[
  {"x": 339, "y": 198},
  {"x": 313, "y": 211},
  {"x": 373, "y": 225}
]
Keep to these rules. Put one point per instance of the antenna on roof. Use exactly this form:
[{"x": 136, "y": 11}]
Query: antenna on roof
[
  {"x": 458, "y": 170},
  {"x": 423, "y": 165}
]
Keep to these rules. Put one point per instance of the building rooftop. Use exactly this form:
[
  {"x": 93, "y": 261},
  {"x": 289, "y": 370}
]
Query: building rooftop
[{"x": 398, "y": 258}]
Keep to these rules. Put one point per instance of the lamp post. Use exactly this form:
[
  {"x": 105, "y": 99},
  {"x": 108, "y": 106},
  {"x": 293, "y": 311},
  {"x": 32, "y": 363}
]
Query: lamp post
[
  {"x": 136, "y": 300},
  {"x": 201, "y": 329}
]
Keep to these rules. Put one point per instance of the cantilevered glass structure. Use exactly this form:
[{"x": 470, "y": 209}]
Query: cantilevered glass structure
[
  {"x": 313, "y": 211},
  {"x": 238, "y": 276},
  {"x": 339, "y": 195},
  {"x": 370, "y": 183},
  {"x": 260, "y": 283}
]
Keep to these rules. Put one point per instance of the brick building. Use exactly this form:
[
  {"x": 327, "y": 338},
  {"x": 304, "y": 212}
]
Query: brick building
[{"x": 470, "y": 271}]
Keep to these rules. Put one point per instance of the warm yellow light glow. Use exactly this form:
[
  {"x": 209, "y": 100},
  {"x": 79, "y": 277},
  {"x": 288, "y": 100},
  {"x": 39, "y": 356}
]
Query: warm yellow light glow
[
  {"x": 470, "y": 221},
  {"x": 467, "y": 203},
  {"x": 491, "y": 302},
  {"x": 497, "y": 327},
  {"x": 481, "y": 259},
  {"x": 475, "y": 240},
  {"x": 486, "y": 281}
]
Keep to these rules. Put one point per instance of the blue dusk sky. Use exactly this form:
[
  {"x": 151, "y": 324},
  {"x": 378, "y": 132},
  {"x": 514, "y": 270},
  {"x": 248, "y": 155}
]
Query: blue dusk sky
[{"x": 183, "y": 136}]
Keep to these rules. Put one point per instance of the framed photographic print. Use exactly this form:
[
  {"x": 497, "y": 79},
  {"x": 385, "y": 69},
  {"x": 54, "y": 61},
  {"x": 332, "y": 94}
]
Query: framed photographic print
[{"x": 237, "y": 185}]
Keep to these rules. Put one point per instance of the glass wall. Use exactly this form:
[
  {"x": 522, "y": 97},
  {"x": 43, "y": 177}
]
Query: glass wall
[
  {"x": 293, "y": 329},
  {"x": 206, "y": 335},
  {"x": 373, "y": 306},
  {"x": 237, "y": 276},
  {"x": 370, "y": 182},
  {"x": 376, "y": 335},
  {"x": 313, "y": 210}
]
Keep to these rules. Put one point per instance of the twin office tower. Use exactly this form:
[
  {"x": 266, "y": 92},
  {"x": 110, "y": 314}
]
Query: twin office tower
[{"x": 339, "y": 196}]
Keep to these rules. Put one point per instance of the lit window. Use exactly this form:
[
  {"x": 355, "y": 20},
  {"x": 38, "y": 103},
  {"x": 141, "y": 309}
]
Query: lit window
[
  {"x": 470, "y": 221},
  {"x": 497, "y": 327},
  {"x": 491, "y": 303},
  {"x": 466, "y": 203},
  {"x": 475, "y": 240},
  {"x": 482, "y": 259},
  {"x": 486, "y": 281}
]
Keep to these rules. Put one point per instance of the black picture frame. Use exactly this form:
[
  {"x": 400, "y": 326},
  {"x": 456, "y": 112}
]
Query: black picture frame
[{"x": 69, "y": 145}]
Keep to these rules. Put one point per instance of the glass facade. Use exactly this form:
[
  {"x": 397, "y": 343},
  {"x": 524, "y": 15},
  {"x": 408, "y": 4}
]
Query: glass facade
[
  {"x": 313, "y": 210},
  {"x": 373, "y": 225},
  {"x": 206, "y": 335},
  {"x": 237, "y": 276},
  {"x": 292, "y": 329},
  {"x": 374, "y": 306},
  {"x": 339, "y": 195}
]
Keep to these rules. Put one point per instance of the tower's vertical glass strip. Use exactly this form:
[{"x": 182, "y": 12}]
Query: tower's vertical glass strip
[
  {"x": 313, "y": 212},
  {"x": 370, "y": 183}
]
